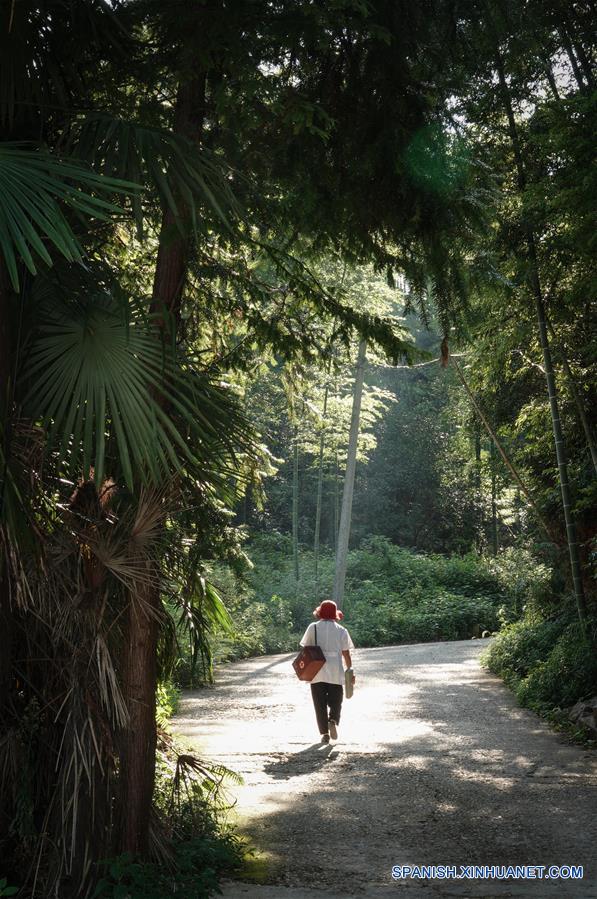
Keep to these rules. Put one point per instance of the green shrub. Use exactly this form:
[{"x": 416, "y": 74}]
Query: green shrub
[
  {"x": 569, "y": 673},
  {"x": 192, "y": 873},
  {"x": 549, "y": 664},
  {"x": 419, "y": 617},
  {"x": 167, "y": 698},
  {"x": 190, "y": 798},
  {"x": 398, "y": 569},
  {"x": 521, "y": 646}
]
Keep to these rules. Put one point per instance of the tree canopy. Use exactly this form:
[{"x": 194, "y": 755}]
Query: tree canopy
[{"x": 205, "y": 209}]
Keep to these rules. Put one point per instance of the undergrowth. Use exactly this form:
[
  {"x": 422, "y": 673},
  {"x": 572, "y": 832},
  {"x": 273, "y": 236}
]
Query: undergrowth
[
  {"x": 194, "y": 840},
  {"x": 392, "y": 595},
  {"x": 550, "y": 663}
]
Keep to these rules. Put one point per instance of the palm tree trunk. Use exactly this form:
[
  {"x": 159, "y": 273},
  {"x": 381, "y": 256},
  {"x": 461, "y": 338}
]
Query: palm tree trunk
[
  {"x": 175, "y": 233},
  {"x": 535, "y": 286},
  {"x": 351, "y": 461},
  {"x": 319, "y": 494},
  {"x": 137, "y": 759},
  {"x": 6, "y": 621},
  {"x": 138, "y": 742}
]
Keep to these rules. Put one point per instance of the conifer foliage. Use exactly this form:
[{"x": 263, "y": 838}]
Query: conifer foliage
[{"x": 183, "y": 187}]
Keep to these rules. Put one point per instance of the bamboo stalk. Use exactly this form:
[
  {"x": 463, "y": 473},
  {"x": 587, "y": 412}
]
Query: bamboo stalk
[{"x": 295, "y": 488}]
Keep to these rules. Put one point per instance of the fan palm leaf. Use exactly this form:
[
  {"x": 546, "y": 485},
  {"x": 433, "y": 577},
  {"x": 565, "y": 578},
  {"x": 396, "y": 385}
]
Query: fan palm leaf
[
  {"x": 201, "y": 613},
  {"x": 33, "y": 185},
  {"x": 101, "y": 380}
]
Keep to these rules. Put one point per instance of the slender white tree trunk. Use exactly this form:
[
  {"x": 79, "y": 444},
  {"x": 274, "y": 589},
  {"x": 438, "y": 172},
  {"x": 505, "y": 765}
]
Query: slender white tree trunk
[
  {"x": 319, "y": 493},
  {"x": 295, "y": 501},
  {"x": 494, "y": 521},
  {"x": 346, "y": 511}
]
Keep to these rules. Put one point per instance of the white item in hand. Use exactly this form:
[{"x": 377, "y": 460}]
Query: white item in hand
[{"x": 348, "y": 684}]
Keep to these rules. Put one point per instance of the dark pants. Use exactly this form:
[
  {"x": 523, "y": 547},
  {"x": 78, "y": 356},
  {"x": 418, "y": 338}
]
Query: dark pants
[{"x": 325, "y": 695}]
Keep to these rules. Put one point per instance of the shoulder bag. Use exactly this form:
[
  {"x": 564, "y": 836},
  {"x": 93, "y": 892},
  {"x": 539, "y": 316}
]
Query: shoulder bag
[{"x": 309, "y": 661}]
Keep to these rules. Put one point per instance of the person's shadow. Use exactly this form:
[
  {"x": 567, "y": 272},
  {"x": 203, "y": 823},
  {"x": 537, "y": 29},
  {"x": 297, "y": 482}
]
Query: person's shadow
[{"x": 303, "y": 762}]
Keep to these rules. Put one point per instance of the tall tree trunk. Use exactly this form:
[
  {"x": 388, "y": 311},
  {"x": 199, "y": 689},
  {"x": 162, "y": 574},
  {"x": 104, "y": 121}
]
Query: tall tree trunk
[
  {"x": 517, "y": 508},
  {"x": 336, "y": 499},
  {"x": 579, "y": 50},
  {"x": 336, "y": 496},
  {"x": 567, "y": 44},
  {"x": 535, "y": 286},
  {"x": 138, "y": 742},
  {"x": 139, "y": 746},
  {"x": 494, "y": 521},
  {"x": 295, "y": 505},
  {"x": 351, "y": 461},
  {"x": 552, "y": 81},
  {"x": 6, "y": 387},
  {"x": 319, "y": 493},
  {"x": 478, "y": 488},
  {"x": 175, "y": 233}
]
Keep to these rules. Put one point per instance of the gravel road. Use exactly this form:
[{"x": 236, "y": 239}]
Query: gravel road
[{"x": 435, "y": 765}]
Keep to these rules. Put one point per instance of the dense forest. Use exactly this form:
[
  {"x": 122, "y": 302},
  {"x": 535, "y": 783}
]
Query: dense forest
[{"x": 296, "y": 301}]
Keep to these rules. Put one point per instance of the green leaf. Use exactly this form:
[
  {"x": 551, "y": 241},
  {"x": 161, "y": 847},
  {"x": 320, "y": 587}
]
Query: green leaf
[
  {"x": 6, "y": 890},
  {"x": 34, "y": 186},
  {"x": 93, "y": 374},
  {"x": 175, "y": 167}
]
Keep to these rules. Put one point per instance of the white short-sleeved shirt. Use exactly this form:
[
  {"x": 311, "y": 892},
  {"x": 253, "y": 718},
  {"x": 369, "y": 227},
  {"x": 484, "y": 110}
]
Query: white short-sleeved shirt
[{"x": 333, "y": 639}]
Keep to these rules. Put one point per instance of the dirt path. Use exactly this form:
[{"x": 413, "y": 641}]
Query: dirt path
[{"x": 435, "y": 765}]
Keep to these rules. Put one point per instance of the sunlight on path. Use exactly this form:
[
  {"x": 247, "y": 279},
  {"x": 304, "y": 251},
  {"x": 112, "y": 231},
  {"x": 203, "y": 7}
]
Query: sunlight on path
[{"x": 435, "y": 765}]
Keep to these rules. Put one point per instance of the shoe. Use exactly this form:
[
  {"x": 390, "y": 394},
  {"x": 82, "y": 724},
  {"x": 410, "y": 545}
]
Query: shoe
[
  {"x": 333, "y": 729},
  {"x": 325, "y": 738}
]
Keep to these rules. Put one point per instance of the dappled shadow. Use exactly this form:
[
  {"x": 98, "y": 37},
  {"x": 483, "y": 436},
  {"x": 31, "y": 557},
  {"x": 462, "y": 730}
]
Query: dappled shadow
[
  {"x": 417, "y": 801},
  {"x": 445, "y": 769},
  {"x": 303, "y": 762},
  {"x": 241, "y": 673}
]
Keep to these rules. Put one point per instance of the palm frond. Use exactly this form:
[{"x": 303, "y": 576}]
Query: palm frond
[
  {"x": 202, "y": 613},
  {"x": 97, "y": 378},
  {"x": 21, "y": 453},
  {"x": 33, "y": 184},
  {"x": 182, "y": 174},
  {"x": 44, "y": 51}
]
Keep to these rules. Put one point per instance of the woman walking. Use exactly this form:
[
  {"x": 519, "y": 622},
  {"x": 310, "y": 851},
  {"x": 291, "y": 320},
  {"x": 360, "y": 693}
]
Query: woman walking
[{"x": 326, "y": 686}]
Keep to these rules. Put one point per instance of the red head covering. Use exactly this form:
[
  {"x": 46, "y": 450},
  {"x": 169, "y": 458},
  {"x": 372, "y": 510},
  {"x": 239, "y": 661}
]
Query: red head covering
[{"x": 328, "y": 611}]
